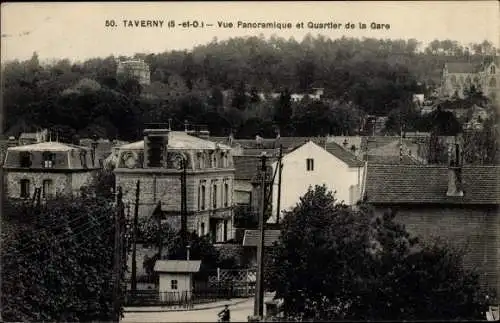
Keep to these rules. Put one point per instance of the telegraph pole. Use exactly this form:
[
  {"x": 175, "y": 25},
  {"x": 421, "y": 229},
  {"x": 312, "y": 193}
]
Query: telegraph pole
[
  {"x": 259, "y": 292},
  {"x": 118, "y": 255},
  {"x": 134, "y": 237},
  {"x": 280, "y": 165},
  {"x": 159, "y": 235},
  {"x": 184, "y": 204}
]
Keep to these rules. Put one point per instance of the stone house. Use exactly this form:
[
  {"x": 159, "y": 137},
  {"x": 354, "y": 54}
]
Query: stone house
[
  {"x": 136, "y": 69},
  {"x": 56, "y": 168},
  {"x": 157, "y": 162},
  {"x": 460, "y": 204},
  {"x": 457, "y": 78}
]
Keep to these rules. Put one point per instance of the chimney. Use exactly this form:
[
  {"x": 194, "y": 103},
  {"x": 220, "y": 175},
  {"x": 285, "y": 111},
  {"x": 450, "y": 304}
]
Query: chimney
[
  {"x": 155, "y": 145},
  {"x": 455, "y": 176}
]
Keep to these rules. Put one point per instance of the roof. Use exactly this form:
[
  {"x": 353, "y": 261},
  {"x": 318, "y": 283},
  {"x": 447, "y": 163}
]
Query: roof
[
  {"x": 460, "y": 67},
  {"x": 177, "y": 266},
  {"x": 420, "y": 184},
  {"x": 246, "y": 167},
  {"x": 29, "y": 135},
  {"x": 46, "y": 146},
  {"x": 342, "y": 154},
  {"x": 391, "y": 160},
  {"x": 251, "y": 237},
  {"x": 181, "y": 140}
]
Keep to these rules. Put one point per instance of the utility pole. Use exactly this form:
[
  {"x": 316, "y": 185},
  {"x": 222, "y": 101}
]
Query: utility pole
[
  {"x": 280, "y": 165},
  {"x": 134, "y": 237},
  {"x": 158, "y": 215},
  {"x": 259, "y": 292},
  {"x": 184, "y": 204},
  {"x": 118, "y": 257}
]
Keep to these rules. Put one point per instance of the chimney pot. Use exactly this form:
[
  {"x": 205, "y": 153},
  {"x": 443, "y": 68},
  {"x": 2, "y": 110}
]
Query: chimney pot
[{"x": 454, "y": 181}]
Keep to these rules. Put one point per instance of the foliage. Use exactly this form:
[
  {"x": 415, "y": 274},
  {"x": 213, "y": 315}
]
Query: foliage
[
  {"x": 365, "y": 267},
  {"x": 374, "y": 75},
  {"x": 57, "y": 261},
  {"x": 201, "y": 248}
]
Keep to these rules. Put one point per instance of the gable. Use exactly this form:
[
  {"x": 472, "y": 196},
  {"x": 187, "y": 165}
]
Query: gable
[{"x": 333, "y": 154}]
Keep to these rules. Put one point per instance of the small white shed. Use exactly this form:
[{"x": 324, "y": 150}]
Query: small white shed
[{"x": 176, "y": 278}]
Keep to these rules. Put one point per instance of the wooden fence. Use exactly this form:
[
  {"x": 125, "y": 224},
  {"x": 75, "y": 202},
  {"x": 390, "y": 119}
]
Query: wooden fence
[{"x": 184, "y": 299}]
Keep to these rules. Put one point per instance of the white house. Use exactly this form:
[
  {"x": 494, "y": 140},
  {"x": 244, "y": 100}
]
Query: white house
[{"x": 310, "y": 165}]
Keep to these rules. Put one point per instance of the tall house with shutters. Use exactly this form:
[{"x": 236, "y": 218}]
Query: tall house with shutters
[
  {"x": 54, "y": 167},
  {"x": 157, "y": 162}
]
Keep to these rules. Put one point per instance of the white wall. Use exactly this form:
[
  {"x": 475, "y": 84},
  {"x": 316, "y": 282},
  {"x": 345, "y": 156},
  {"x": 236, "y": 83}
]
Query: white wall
[
  {"x": 328, "y": 170},
  {"x": 183, "y": 282}
]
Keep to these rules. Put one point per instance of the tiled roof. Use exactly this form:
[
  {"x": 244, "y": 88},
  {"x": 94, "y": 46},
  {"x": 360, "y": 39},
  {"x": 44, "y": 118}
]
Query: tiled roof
[
  {"x": 342, "y": 154},
  {"x": 177, "y": 266},
  {"x": 390, "y": 160},
  {"x": 461, "y": 67},
  {"x": 251, "y": 238},
  {"x": 246, "y": 167},
  {"x": 405, "y": 184}
]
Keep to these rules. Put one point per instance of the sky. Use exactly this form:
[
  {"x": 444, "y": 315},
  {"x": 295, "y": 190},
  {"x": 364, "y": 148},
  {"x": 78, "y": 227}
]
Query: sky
[{"x": 78, "y": 31}]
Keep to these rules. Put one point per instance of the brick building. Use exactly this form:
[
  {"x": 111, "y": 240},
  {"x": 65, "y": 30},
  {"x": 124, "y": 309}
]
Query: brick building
[
  {"x": 157, "y": 162},
  {"x": 459, "y": 204},
  {"x": 56, "y": 168}
]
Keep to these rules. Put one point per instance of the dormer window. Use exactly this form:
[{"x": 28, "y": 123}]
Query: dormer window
[
  {"x": 25, "y": 159},
  {"x": 48, "y": 159}
]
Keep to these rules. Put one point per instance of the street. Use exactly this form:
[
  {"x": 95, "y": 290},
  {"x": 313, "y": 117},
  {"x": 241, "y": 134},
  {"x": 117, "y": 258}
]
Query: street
[{"x": 239, "y": 313}]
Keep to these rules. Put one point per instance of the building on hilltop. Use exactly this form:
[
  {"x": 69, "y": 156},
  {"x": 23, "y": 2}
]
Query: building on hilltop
[
  {"x": 157, "y": 161},
  {"x": 56, "y": 168},
  {"x": 135, "y": 69},
  {"x": 458, "y": 77}
]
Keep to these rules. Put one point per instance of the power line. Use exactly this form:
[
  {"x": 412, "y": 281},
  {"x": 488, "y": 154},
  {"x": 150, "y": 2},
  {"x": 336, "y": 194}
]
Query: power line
[{"x": 64, "y": 235}]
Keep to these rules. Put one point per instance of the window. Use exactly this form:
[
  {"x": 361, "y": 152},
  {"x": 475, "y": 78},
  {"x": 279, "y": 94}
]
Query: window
[
  {"x": 25, "y": 159},
  {"x": 214, "y": 195},
  {"x": 25, "y": 188},
  {"x": 224, "y": 238},
  {"x": 47, "y": 188},
  {"x": 83, "y": 158},
  {"x": 201, "y": 196},
  {"x": 226, "y": 194},
  {"x": 492, "y": 69},
  {"x": 173, "y": 284},
  {"x": 310, "y": 164},
  {"x": 493, "y": 82},
  {"x": 48, "y": 159},
  {"x": 202, "y": 229},
  {"x": 214, "y": 160}
]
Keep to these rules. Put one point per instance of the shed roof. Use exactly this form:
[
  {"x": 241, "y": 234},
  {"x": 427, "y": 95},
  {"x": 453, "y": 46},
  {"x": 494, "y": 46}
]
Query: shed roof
[
  {"x": 246, "y": 167},
  {"x": 251, "y": 237},
  {"x": 177, "y": 266}
]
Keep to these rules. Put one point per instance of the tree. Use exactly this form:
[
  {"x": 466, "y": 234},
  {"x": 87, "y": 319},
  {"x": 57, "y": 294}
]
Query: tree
[
  {"x": 283, "y": 111},
  {"x": 57, "y": 260},
  {"x": 240, "y": 100},
  {"x": 366, "y": 266}
]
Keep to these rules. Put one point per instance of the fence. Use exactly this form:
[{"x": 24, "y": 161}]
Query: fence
[
  {"x": 221, "y": 284},
  {"x": 182, "y": 299}
]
